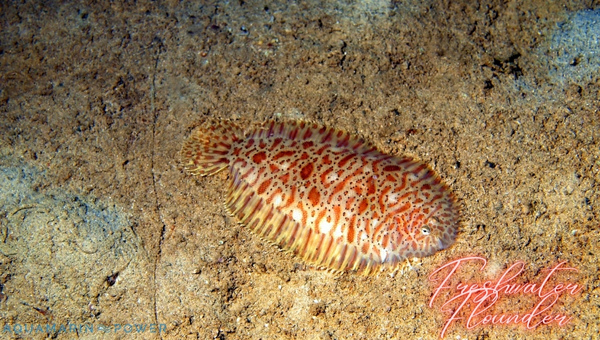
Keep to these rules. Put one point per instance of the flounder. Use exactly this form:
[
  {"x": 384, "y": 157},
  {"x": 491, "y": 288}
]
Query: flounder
[{"x": 330, "y": 198}]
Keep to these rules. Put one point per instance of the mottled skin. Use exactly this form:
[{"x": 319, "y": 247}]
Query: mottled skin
[{"x": 331, "y": 199}]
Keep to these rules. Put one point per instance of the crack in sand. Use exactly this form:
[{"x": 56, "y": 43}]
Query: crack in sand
[{"x": 156, "y": 42}]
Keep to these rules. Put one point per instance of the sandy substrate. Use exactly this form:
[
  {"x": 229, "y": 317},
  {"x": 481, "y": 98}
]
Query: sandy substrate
[{"x": 100, "y": 226}]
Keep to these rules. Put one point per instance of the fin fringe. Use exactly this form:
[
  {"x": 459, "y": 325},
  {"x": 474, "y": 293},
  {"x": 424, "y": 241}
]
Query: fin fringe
[{"x": 208, "y": 150}]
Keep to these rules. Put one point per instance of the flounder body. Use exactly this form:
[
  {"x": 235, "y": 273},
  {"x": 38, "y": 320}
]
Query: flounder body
[{"x": 331, "y": 199}]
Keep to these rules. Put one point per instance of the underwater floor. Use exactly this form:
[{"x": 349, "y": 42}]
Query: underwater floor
[{"x": 104, "y": 235}]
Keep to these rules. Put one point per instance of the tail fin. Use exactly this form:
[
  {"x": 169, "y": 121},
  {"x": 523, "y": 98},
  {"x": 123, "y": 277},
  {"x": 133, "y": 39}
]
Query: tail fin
[{"x": 208, "y": 150}]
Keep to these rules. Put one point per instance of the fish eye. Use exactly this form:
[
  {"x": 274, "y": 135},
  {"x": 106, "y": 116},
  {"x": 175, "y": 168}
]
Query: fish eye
[{"x": 425, "y": 230}]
